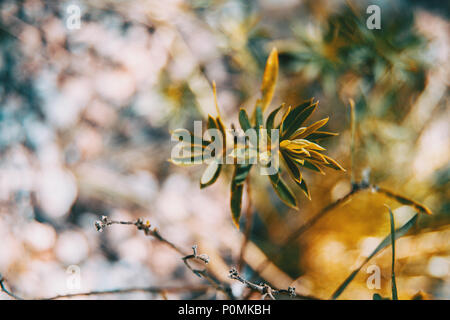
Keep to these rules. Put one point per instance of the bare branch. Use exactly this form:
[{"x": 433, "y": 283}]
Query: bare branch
[
  {"x": 160, "y": 290},
  {"x": 263, "y": 288},
  {"x": 100, "y": 225},
  {"x": 146, "y": 227}
]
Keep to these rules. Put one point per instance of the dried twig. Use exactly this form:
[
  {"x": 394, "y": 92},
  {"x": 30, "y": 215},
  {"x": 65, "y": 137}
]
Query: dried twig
[
  {"x": 149, "y": 231},
  {"x": 160, "y": 290},
  {"x": 140, "y": 225},
  {"x": 263, "y": 288},
  {"x": 204, "y": 273}
]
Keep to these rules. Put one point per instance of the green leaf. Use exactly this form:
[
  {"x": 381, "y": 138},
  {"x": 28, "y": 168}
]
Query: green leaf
[
  {"x": 394, "y": 285},
  {"x": 212, "y": 124},
  {"x": 304, "y": 188},
  {"x": 296, "y": 111},
  {"x": 281, "y": 125},
  {"x": 269, "y": 79},
  {"x": 242, "y": 172},
  {"x": 283, "y": 190},
  {"x": 294, "y": 171},
  {"x": 243, "y": 120},
  {"x": 271, "y": 119},
  {"x": 313, "y": 167},
  {"x": 210, "y": 175},
  {"x": 332, "y": 163},
  {"x": 319, "y": 135},
  {"x": 400, "y": 232},
  {"x": 297, "y": 117},
  {"x": 236, "y": 199},
  {"x": 259, "y": 117},
  {"x": 403, "y": 200},
  {"x": 224, "y": 134}
]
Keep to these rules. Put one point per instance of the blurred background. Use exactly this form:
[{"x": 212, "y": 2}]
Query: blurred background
[{"x": 85, "y": 121}]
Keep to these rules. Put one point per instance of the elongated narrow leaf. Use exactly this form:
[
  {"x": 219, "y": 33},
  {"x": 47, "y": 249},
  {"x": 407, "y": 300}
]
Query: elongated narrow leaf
[
  {"x": 212, "y": 124},
  {"x": 310, "y": 129},
  {"x": 269, "y": 79},
  {"x": 304, "y": 188},
  {"x": 296, "y": 111},
  {"x": 224, "y": 133},
  {"x": 319, "y": 135},
  {"x": 271, "y": 118},
  {"x": 242, "y": 172},
  {"x": 243, "y": 120},
  {"x": 210, "y": 175},
  {"x": 333, "y": 163},
  {"x": 400, "y": 232},
  {"x": 295, "y": 119},
  {"x": 236, "y": 199},
  {"x": 309, "y": 164},
  {"x": 404, "y": 200},
  {"x": 394, "y": 285},
  {"x": 296, "y": 153},
  {"x": 293, "y": 170},
  {"x": 259, "y": 118},
  {"x": 318, "y": 157},
  {"x": 281, "y": 125},
  {"x": 298, "y": 132},
  {"x": 283, "y": 190}
]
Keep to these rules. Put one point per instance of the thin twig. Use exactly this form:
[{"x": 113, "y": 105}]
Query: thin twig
[
  {"x": 263, "y": 288},
  {"x": 159, "y": 290},
  {"x": 146, "y": 227},
  {"x": 203, "y": 273},
  {"x": 140, "y": 225}
]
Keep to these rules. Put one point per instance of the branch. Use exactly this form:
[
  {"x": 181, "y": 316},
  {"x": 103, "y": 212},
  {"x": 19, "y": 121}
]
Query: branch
[
  {"x": 263, "y": 288},
  {"x": 159, "y": 290},
  {"x": 204, "y": 273},
  {"x": 146, "y": 227},
  {"x": 140, "y": 225}
]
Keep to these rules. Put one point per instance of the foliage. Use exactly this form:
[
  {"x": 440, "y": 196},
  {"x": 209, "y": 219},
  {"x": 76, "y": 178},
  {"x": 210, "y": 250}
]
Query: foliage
[{"x": 298, "y": 145}]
